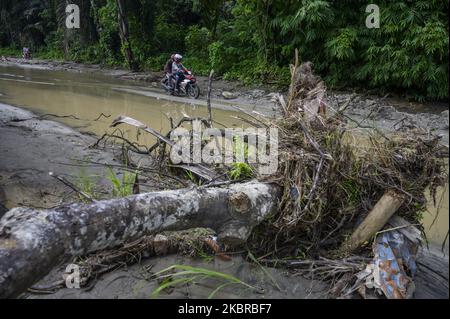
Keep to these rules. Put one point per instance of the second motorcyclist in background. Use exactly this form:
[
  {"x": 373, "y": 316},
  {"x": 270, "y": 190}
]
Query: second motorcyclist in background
[
  {"x": 26, "y": 54},
  {"x": 168, "y": 69},
  {"x": 178, "y": 71}
]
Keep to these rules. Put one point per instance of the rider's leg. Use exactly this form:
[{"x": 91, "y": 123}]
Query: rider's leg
[
  {"x": 178, "y": 81},
  {"x": 170, "y": 77},
  {"x": 180, "y": 78}
]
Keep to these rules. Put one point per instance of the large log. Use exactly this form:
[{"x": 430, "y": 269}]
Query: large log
[
  {"x": 3, "y": 210},
  {"x": 432, "y": 274},
  {"x": 383, "y": 210},
  {"x": 32, "y": 242}
]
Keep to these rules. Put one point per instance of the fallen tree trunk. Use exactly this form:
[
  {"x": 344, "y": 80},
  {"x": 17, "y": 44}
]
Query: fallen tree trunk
[
  {"x": 32, "y": 242},
  {"x": 432, "y": 274}
]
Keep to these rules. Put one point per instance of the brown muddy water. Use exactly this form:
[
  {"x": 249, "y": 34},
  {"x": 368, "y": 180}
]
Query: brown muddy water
[{"x": 86, "y": 96}]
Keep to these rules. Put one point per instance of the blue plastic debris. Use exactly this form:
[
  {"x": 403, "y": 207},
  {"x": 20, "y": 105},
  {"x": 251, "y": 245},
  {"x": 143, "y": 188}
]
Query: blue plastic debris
[
  {"x": 394, "y": 264},
  {"x": 391, "y": 272}
]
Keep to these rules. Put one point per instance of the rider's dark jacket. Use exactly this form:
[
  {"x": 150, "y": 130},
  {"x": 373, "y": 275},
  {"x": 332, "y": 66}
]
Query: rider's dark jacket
[{"x": 168, "y": 66}]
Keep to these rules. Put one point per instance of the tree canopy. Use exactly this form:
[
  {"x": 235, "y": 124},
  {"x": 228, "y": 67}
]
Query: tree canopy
[{"x": 249, "y": 40}]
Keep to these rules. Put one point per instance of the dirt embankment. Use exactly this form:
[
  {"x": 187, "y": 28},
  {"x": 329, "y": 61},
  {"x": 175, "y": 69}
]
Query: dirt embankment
[{"x": 31, "y": 148}]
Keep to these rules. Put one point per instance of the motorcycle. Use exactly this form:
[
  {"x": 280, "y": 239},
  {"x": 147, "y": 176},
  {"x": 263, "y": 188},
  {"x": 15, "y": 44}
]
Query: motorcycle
[
  {"x": 188, "y": 87},
  {"x": 26, "y": 55}
]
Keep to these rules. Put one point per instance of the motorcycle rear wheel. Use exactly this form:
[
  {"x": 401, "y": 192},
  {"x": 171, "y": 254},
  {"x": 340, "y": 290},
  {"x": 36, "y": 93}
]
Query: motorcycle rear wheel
[{"x": 165, "y": 85}]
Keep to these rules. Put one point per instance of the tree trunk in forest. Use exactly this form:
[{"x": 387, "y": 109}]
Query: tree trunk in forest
[
  {"x": 124, "y": 36},
  {"x": 66, "y": 35},
  {"x": 215, "y": 22},
  {"x": 95, "y": 20},
  {"x": 88, "y": 29},
  {"x": 33, "y": 242}
]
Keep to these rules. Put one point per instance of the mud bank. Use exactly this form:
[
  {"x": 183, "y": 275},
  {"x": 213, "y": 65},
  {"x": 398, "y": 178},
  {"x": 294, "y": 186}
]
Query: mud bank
[
  {"x": 31, "y": 148},
  {"x": 391, "y": 115},
  {"x": 135, "y": 282}
]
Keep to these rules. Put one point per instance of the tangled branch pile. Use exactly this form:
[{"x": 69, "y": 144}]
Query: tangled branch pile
[
  {"x": 332, "y": 179},
  {"x": 195, "y": 242}
]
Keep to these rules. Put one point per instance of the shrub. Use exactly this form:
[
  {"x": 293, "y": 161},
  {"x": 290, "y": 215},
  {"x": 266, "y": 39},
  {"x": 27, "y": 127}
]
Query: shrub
[{"x": 197, "y": 41}]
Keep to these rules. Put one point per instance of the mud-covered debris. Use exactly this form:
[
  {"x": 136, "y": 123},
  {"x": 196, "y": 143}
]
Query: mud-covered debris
[
  {"x": 229, "y": 95},
  {"x": 393, "y": 268}
]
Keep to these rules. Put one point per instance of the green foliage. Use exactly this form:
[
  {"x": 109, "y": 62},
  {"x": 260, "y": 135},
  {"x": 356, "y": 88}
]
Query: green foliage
[
  {"x": 88, "y": 54},
  {"x": 190, "y": 175},
  {"x": 197, "y": 65},
  {"x": 10, "y": 52},
  {"x": 218, "y": 58},
  {"x": 239, "y": 146},
  {"x": 181, "y": 274},
  {"x": 210, "y": 11},
  {"x": 197, "y": 41},
  {"x": 410, "y": 52},
  {"x": 87, "y": 184},
  {"x": 351, "y": 190},
  {"x": 341, "y": 46},
  {"x": 156, "y": 63},
  {"x": 54, "y": 48},
  {"x": 109, "y": 40},
  {"x": 250, "y": 40},
  {"x": 124, "y": 187},
  {"x": 240, "y": 170},
  {"x": 203, "y": 255},
  {"x": 251, "y": 72}
]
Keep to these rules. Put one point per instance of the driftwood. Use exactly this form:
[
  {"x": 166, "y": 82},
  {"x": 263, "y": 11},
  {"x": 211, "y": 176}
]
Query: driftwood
[
  {"x": 199, "y": 169},
  {"x": 128, "y": 120},
  {"x": 184, "y": 119},
  {"x": 208, "y": 98},
  {"x": 3, "y": 210},
  {"x": 375, "y": 220},
  {"x": 410, "y": 231},
  {"x": 432, "y": 274},
  {"x": 32, "y": 242},
  {"x": 188, "y": 242}
]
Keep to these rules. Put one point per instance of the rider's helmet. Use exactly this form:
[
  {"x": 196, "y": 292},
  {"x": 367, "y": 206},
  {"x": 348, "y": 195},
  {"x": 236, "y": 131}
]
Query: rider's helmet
[{"x": 178, "y": 57}]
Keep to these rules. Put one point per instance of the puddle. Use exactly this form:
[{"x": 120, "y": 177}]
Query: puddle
[{"x": 86, "y": 96}]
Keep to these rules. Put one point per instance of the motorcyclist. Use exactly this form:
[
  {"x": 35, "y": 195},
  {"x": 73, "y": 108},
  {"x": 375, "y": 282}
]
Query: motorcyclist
[
  {"x": 178, "y": 71},
  {"x": 26, "y": 53}
]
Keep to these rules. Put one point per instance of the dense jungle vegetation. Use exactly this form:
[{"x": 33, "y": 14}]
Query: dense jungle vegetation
[{"x": 249, "y": 40}]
